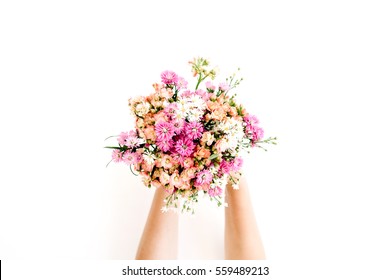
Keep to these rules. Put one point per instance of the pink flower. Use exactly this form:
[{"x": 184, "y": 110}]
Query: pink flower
[
  {"x": 186, "y": 93},
  {"x": 122, "y": 138},
  {"x": 128, "y": 157},
  {"x": 117, "y": 155},
  {"x": 184, "y": 147},
  {"x": 252, "y": 129},
  {"x": 210, "y": 87},
  {"x": 137, "y": 157},
  {"x": 223, "y": 87},
  {"x": 164, "y": 131},
  {"x": 202, "y": 93},
  {"x": 128, "y": 139},
  {"x": 203, "y": 177},
  {"x": 217, "y": 191},
  {"x": 170, "y": 110},
  {"x": 194, "y": 130},
  {"x": 169, "y": 77},
  {"x": 181, "y": 83},
  {"x": 237, "y": 164}
]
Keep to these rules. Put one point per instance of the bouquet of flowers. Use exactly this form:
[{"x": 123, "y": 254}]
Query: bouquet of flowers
[{"x": 189, "y": 141}]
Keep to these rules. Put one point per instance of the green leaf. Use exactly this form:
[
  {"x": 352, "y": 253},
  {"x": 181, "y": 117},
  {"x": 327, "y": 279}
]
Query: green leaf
[
  {"x": 111, "y": 137},
  {"x": 213, "y": 156},
  {"x": 111, "y": 147}
]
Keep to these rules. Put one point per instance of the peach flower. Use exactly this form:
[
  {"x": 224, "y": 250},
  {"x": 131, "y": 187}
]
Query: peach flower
[
  {"x": 167, "y": 161},
  {"x": 218, "y": 114},
  {"x": 175, "y": 179},
  {"x": 156, "y": 183},
  {"x": 188, "y": 162},
  {"x": 150, "y": 133},
  {"x": 164, "y": 178},
  {"x": 207, "y": 138},
  {"x": 202, "y": 153},
  {"x": 160, "y": 117}
]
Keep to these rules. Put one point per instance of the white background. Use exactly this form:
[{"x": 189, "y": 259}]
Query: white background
[{"x": 316, "y": 74}]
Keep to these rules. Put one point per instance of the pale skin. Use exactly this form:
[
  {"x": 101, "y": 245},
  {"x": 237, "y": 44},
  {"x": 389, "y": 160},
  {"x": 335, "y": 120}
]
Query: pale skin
[
  {"x": 160, "y": 235},
  {"x": 242, "y": 237}
]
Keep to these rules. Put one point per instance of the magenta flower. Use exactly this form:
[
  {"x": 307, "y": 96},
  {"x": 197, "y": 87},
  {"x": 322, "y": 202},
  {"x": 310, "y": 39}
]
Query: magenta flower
[
  {"x": 203, "y": 177},
  {"x": 169, "y": 77},
  {"x": 225, "y": 167},
  {"x": 164, "y": 131},
  {"x": 165, "y": 146},
  {"x": 251, "y": 120},
  {"x": 184, "y": 147},
  {"x": 178, "y": 125},
  {"x": 258, "y": 133},
  {"x": 194, "y": 130}
]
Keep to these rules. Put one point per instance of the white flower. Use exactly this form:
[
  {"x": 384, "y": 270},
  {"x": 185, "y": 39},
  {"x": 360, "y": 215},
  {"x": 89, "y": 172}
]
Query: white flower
[
  {"x": 141, "y": 141},
  {"x": 209, "y": 138},
  {"x": 149, "y": 157},
  {"x": 142, "y": 108},
  {"x": 224, "y": 144},
  {"x": 232, "y": 142},
  {"x": 191, "y": 108},
  {"x": 219, "y": 182},
  {"x": 233, "y": 152},
  {"x": 194, "y": 115},
  {"x": 197, "y": 101},
  {"x": 213, "y": 170}
]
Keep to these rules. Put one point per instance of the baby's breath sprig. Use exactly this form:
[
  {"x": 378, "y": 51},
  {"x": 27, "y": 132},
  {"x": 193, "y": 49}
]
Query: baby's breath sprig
[
  {"x": 233, "y": 82},
  {"x": 269, "y": 140},
  {"x": 199, "y": 69}
]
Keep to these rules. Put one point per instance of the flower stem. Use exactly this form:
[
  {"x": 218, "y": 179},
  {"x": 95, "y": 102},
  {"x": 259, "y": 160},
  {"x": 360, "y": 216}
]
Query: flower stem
[{"x": 199, "y": 80}]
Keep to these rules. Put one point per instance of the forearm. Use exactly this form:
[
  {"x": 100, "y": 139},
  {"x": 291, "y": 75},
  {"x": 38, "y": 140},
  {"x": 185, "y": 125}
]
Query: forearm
[
  {"x": 242, "y": 237},
  {"x": 160, "y": 236}
]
